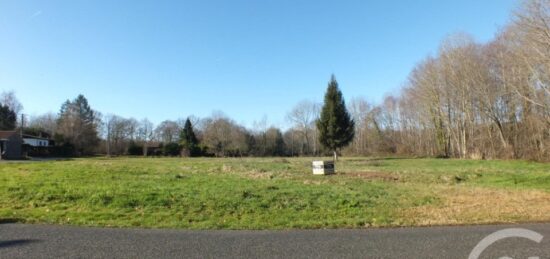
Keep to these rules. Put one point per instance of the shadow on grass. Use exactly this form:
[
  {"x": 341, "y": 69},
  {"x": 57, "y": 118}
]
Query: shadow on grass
[
  {"x": 46, "y": 159},
  {"x": 360, "y": 159},
  {"x": 390, "y": 158},
  {"x": 36, "y": 159},
  {"x": 17, "y": 242},
  {"x": 10, "y": 220}
]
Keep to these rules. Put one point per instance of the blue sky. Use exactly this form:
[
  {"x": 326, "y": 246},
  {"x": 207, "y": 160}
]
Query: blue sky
[{"x": 249, "y": 59}]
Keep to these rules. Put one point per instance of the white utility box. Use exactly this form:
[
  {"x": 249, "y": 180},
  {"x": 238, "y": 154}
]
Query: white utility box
[{"x": 323, "y": 167}]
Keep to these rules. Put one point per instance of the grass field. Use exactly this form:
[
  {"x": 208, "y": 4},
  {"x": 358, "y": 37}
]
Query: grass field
[{"x": 273, "y": 193}]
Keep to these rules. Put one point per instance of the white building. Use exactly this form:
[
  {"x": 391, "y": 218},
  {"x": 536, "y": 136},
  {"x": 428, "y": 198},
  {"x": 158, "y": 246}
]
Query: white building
[{"x": 34, "y": 141}]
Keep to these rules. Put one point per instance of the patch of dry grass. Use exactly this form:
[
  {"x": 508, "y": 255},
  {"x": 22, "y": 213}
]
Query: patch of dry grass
[
  {"x": 476, "y": 205},
  {"x": 384, "y": 176}
]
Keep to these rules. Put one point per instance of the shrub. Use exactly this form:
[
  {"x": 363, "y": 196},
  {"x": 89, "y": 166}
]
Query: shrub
[
  {"x": 171, "y": 149},
  {"x": 135, "y": 149}
]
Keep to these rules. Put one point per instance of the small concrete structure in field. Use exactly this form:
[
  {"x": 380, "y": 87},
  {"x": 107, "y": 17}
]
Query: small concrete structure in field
[{"x": 323, "y": 167}]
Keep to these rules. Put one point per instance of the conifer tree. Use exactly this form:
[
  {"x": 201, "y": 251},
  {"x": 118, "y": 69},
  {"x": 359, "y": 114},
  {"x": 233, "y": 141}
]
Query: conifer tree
[
  {"x": 188, "y": 140},
  {"x": 336, "y": 128},
  {"x": 77, "y": 124},
  {"x": 7, "y": 118}
]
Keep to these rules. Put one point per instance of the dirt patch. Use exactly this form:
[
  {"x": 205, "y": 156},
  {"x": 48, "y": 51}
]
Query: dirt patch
[
  {"x": 186, "y": 168},
  {"x": 253, "y": 175},
  {"x": 372, "y": 176},
  {"x": 281, "y": 160},
  {"x": 314, "y": 182},
  {"x": 226, "y": 168}
]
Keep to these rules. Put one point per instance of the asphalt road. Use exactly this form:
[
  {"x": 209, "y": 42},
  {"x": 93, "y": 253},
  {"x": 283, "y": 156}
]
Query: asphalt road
[{"x": 46, "y": 241}]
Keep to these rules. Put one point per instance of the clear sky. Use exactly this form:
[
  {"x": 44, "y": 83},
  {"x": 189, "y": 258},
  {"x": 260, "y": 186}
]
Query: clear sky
[{"x": 249, "y": 59}]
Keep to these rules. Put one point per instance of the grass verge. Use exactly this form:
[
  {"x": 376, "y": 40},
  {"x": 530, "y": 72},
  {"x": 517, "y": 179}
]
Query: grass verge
[{"x": 272, "y": 193}]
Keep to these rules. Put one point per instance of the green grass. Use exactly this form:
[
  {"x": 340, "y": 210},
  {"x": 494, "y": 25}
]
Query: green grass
[
  {"x": 250, "y": 193},
  {"x": 496, "y": 173}
]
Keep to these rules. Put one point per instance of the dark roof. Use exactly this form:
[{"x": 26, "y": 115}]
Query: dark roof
[
  {"x": 153, "y": 144},
  {"x": 7, "y": 134},
  {"x": 35, "y": 137}
]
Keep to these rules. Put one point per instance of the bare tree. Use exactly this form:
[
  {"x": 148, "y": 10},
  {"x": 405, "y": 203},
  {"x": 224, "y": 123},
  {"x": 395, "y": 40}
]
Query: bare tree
[
  {"x": 168, "y": 131},
  {"x": 360, "y": 109},
  {"x": 260, "y": 130},
  {"x": 145, "y": 133},
  {"x": 303, "y": 117},
  {"x": 46, "y": 122},
  {"x": 119, "y": 132}
]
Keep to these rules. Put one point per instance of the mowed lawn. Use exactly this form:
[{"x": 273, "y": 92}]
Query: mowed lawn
[{"x": 272, "y": 193}]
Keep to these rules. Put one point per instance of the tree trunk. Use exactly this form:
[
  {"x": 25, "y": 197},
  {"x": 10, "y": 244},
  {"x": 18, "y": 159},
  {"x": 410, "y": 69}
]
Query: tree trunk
[
  {"x": 503, "y": 140},
  {"x": 108, "y": 147},
  {"x": 335, "y": 156}
]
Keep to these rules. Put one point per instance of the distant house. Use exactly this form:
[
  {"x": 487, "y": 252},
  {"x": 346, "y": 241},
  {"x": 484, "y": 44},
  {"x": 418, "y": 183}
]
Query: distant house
[
  {"x": 38, "y": 144},
  {"x": 153, "y": 149},
  {"x": 36, "y": 141},
  {"x": 11, "y": 145}
]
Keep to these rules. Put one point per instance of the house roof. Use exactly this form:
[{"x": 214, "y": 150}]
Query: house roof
[
  {"x": 34, "y": 137},
  {"x": 7, "y": 134},
  {"x": 153, "y": 145}
]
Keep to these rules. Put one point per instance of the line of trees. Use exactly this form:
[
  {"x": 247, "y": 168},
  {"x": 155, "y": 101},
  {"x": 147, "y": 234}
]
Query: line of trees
[
  {"x": 470, "y": 100},
  {"x": 78, "y": 130},
  {"x": 217, "y": 135}
]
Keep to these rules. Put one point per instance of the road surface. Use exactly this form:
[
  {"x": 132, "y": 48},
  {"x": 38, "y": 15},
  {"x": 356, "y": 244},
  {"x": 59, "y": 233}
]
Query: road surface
[{"x": 47, "y": 241}]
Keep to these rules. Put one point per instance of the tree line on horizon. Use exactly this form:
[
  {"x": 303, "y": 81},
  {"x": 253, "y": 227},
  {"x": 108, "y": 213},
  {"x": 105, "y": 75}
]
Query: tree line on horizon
[
  {"x": 475, "y": 100},
  {"x": 78, "y": 130},
  {"x": 470, "y": 100}
]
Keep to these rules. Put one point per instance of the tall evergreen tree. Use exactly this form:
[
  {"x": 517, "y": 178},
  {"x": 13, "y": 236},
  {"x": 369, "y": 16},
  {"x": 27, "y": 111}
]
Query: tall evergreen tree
[
  {"x": 188, "y": 139},
  {"x": 78, "y": 125},
  {"x": 7, "y": 118},
  {"x": 275, "y": 142},
  {"x": 85, "y": 113},
  {"x": 336, "y": 128}
]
